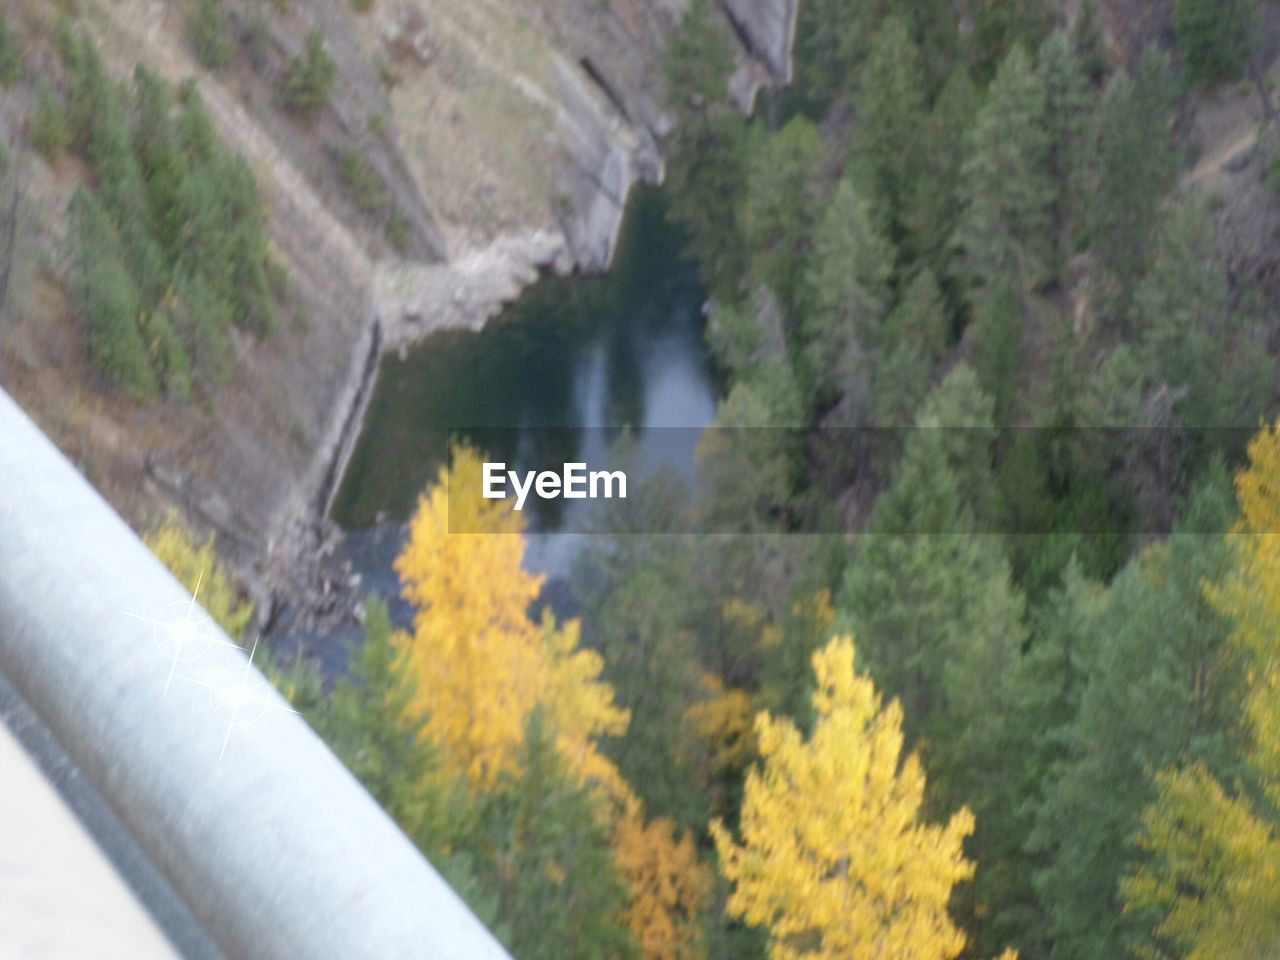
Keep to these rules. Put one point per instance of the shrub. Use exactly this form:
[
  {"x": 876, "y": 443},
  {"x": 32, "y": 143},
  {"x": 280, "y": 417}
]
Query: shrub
[
  {"x": 1216, "y": 38},
  {"x": 310, "y": 80},
  {"x": 208, "y": 34},
  {"x": 360, "y": 179},
  {"x": 398, "y": 231},
  {"x": 49, "y": 129}
]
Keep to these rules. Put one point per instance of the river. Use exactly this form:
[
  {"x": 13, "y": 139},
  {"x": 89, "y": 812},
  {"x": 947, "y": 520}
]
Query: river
[{"x": 584, "y": 355}]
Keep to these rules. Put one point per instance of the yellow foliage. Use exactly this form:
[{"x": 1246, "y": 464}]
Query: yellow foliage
[
  {"x": 724, "y": 722},
  {"x": 196, "y": 567},
  {"x": 668, "y": 887},
  {"x": 833, "y": 857},
  {"x": 1214, "y": 870},
  {"x": 580, "y": 707},
  {"x": 1251, "y": 597},
  {"x": 1216, "y": 873},
  {"x": 480, "y": 662}
]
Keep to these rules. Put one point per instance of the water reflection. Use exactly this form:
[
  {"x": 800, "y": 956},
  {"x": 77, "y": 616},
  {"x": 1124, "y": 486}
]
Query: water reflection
[{"x": 623, "y": 350}]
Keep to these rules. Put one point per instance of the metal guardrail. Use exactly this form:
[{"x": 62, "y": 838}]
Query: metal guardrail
[{"x": 275, "y": 847}]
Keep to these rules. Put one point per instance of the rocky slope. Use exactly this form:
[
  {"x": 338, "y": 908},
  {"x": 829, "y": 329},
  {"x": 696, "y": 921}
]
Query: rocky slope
[{"x": 505, "y": 133}]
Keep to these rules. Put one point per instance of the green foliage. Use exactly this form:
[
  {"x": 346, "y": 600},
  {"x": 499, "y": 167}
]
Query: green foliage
[
  {"x": 255, "y": 37},
  {"x": 934, "y": 203},
  {"x": 1194, "y": 344},
  {"x": 398, "y": 231},
  {"x": 635, "y": 591},
  {"x": 900, "y": 381},
  {"x": 310, "y": 79},
  {"x": 1137, "y": 166},
  {"x": 366, "y": 187},
  {"x": 185, "y": 218},
  {"x": 108, "y": 299},
  {"x": 848, "y": 286},
  {"x": 707, "y": 155},
  {"x": 10, "y": 54},
  {"x": 752, "y": 467},
  {"x": 1089, "y": 43},
  {"x": 368, "y": 720},
  {"x": 1216, "y": 38},
  {"x": 920, "y": 318},
  {"x": 935, "y": 607},
  {"x": 1154, "y": 686},
  {"x": 48, "y": 127},
  {"x": 547, "y": 861},
  {"x": 833, "y": 38},
  {"x": 209, "y": 34},
  {"x": 1043, "y": 695},
  {"x": 997, "y": 340},
  {"x": 1003, "y": 234},
  {"x": 887, "y": 148},
  {"x": 1068, "y": 104},
  {"x": 1002, "y": 25},
  {"x": 782, "y": 204}
]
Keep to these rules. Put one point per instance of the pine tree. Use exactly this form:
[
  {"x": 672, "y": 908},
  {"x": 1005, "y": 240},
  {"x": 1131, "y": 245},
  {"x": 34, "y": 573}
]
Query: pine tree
[
  {"x": 935, "y": 606},
  {"x": 1192, "y": 340},
  {"x": 208, "y": 34},
  {"x": 1157, "y": 687},
  {"x": 1068, "y": 105},
  {"x": 544, "y": 857},
  {"x": 934, "y": 207},
  {"x": 886, "y": 152},
  {"x": 369, "y": 721},
  {"x": 997, "y": 338},
  {"x": 1089, "y": 42},
  {"x": 1137, "y": 167},
  {"x": 834, "y": 858},
  {"x": 1007, "y": 196},
  {"x": 920, "y": 318},
  {"x": 706, "y": 158},
  {"x": 1216, "y": 38},
  {"x": 848, "y": 283},
  {"x": 310, "y": 80},
  {"x": 1043, "y": 697},
  {"x": 108, "y": 299},
  {"x": 1002, "y": 25},
  {"x": 754, "y": 473},
  {"x": 1208, "y": 883},
  {"x": 49, "y": 130},
  {"x": 782, "y": 205}
]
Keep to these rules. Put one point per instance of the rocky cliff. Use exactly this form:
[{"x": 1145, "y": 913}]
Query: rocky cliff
[{"x": 506, "y": 135}]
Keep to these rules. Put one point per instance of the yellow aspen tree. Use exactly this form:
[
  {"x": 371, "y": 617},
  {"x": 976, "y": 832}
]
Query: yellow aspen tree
[
  {"x": 195, "y": 565},
  {"x": 723, "y": 721},
  {"x": 834, "y": 859},
  {"x": 480, "y": 663},
  {"x": 1213, "y": 877},
  {"x": 667, "y": 884},
  {"x": 1251, "y": 598},
  {"x": 580, "y": 708}
]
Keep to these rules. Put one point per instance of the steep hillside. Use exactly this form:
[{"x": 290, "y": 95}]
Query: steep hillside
[{"x": 465, "y": 148}]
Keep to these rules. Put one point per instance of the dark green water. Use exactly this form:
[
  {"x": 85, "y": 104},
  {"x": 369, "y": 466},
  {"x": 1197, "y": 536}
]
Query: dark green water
[{"x": 624, "y": 349}]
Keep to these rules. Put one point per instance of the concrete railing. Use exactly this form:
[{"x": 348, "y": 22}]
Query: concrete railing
[{"x": 277, "y": 850}]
